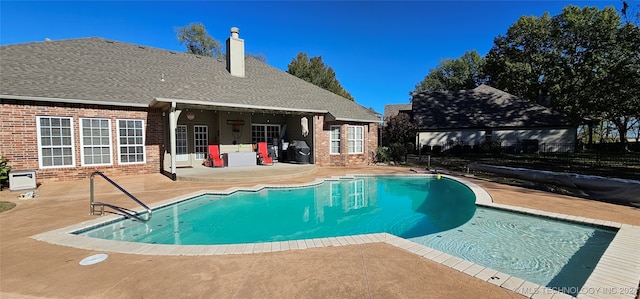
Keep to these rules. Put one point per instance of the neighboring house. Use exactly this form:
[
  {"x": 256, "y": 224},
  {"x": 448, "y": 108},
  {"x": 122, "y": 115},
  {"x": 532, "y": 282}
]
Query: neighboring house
[
  {"x": 393, "y": 110},
  {"x": 471, "y": 117},
  {"x": 76, "y": 106},
  {"x": 389, "y": 112}
]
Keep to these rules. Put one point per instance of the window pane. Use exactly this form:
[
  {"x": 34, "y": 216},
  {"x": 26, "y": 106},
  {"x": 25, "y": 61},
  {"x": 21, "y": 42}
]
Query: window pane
[
  {"x": 131, "y": 136},
  {"x": 95, "y": 141}
]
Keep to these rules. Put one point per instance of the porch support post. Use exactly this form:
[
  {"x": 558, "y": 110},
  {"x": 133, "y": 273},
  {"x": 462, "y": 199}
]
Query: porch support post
[{"x": 173, "y": 125}]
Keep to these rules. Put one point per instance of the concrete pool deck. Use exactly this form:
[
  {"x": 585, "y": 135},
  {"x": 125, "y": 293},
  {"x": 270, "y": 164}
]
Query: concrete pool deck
[{"x": 30, "y": 268}]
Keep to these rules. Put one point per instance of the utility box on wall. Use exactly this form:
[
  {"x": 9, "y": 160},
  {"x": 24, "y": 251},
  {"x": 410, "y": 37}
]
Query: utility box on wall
[{"x": 20, "y": 180}]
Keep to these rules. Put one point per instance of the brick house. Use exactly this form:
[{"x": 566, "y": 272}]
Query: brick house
[{"x": 76, "y": 106}]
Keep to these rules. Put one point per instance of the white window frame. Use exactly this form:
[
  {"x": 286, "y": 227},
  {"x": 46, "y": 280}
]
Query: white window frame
[
  {"x": 336, "y": 194},
  {"x": 42, "y": 147},
  {"x": 120, "y": 145},
  {"x": 333, "y": 140},
  {"x": 93, "y": 145},
  {"x": 182, "y": 143},
  {"x": 354, "y": 141},
  {"x": 200, "y": 150},
  {"x": 356, "y": 195}
]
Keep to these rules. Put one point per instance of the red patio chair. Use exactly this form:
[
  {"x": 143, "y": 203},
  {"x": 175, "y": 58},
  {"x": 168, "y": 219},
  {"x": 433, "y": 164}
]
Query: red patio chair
[
  {"x": 263, "y": 154},
  {"x": 214, "y": 158}
]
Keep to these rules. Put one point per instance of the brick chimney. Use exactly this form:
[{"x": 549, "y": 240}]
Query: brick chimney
[{"x": 235, "y": 54}]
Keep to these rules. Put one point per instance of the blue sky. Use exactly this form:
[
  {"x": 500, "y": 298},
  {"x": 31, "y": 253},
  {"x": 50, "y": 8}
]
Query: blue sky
[{"x": 378, "y": 49}]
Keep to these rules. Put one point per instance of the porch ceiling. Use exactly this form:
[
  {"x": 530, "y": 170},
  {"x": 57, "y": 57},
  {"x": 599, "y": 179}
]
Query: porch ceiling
[{"x": 165, "y": 104}]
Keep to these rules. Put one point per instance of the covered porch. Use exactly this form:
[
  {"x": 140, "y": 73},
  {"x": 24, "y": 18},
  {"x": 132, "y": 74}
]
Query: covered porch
[{"x": 190, "y": 127}]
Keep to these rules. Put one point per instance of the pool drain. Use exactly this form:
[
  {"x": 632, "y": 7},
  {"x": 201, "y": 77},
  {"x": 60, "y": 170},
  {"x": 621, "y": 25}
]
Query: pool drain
[{"x": 93, "y": 259}]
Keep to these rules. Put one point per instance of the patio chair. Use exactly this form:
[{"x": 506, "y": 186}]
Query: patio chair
[
  {"x": 263, "y": 154},
  {"x": 214, "y": 159}
]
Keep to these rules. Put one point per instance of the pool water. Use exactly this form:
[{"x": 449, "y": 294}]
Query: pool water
[
  {"x": 556, "y": 254},
  {"x": 406, "y": 207},
  {"x": 439, "y": 213}
]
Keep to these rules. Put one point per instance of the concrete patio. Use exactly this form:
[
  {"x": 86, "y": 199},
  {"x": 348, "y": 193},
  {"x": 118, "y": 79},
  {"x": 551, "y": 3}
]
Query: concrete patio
[{"x": 36, "y": 269}]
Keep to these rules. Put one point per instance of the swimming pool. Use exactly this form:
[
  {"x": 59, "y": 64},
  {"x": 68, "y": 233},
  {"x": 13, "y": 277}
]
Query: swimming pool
[
  {"x": 439, "y": 213},
  {"x": 402, "y": 206}
]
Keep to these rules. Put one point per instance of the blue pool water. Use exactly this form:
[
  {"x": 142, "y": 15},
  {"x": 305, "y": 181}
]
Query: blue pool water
[
  {"x": 439, "y": 213},
  {"x": 406, "y": 207}
]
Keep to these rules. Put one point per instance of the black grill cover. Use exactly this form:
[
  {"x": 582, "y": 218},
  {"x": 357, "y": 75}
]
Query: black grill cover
[{"x": 299, "y": 152}]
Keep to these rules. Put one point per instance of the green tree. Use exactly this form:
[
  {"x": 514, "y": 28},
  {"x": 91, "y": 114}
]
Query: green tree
[
  {"x": 519, "y": 60},
  {"x": 316, "y": 72},
  {"x": 399, "y": 129},
  {"x": 619, "y": 88},
  {"x": 583, "y": 58},
  {"x": 197, "y": 41},
  {"x": 454, "y": 74}
]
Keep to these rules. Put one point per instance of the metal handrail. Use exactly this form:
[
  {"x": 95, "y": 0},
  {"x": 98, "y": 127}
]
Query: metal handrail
[{"x": 123, "y": 211}]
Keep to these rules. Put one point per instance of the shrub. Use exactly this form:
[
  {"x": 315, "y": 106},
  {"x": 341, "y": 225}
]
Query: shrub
[
  {"x": 397, "y": 152},
  {"x": 491, "y": 146},
  {"x": 382, "y": 155},
  {"x": 411, "y": 148},
  {"x": 4, "y": 172}
]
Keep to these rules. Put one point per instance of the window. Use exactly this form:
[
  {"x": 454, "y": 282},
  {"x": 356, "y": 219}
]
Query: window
[
  {"x": 200, "y": 140},
  {"x": 335, "y": 140},
  {"x": 264, "y": 133},
  {"x": 55, "y": 141},
  {"x": 95, "y": 141},
  {"x": 488, "y": 135},
  {"x": 356, "y": 139},
  {"x": 181, "y": 143},
  {"x": 336, "y": 194},
  {"x": 356, "y": 195},
  {"x": 131, "y": 141}
]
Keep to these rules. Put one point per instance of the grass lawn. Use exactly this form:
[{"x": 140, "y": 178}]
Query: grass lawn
[{"x": 5, "y": 206}]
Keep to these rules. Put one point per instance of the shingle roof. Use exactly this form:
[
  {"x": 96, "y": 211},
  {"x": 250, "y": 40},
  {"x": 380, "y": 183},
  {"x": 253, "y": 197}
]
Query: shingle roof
[
  {"x": 95, "y": 69},
  {"x": 393, "y": 110},
  {"x": 481, "y": 107}
]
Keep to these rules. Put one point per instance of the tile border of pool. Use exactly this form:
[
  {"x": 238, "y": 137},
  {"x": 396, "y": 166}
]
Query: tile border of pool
[{"x": 617, "y": 274}]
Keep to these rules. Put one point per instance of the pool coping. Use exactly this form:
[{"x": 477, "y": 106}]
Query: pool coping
[{"x": 616, "y": 275}]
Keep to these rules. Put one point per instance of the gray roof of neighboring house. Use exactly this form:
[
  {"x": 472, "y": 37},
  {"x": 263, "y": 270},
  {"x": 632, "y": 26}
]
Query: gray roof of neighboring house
[
  {"x": 394, "y": 109},
  {"x": 112, "y": 72},
  {"x": 481, "y": 107}
]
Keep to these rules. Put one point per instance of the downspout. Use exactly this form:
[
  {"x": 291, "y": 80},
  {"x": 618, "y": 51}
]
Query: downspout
[{"x": 173, "y": 125}]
